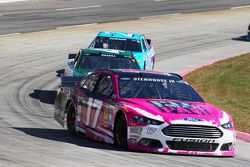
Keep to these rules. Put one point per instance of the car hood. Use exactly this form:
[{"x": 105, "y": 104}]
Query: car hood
[{"x": 173, "y": 111}]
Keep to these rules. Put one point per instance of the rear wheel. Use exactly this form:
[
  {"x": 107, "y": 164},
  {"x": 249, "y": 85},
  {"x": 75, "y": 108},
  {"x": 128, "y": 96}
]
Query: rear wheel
[
  {"x": 121, "y": 132},
  {"x": 71, "y": 119}
]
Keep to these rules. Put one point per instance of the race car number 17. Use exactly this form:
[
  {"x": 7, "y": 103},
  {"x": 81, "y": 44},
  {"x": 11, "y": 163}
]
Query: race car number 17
[{"x": 96, "y": 104}]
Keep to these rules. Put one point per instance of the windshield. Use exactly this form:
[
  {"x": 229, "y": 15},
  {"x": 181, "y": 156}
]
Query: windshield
[
  {"x": 132, "y": 45},
  {"x": 157, "y": 88},
  {"x": 96, "y": 62}
]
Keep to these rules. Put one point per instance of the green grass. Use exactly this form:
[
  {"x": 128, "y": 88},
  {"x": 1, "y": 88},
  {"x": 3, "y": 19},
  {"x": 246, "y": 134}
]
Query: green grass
[{"x": 226, "y": 84}]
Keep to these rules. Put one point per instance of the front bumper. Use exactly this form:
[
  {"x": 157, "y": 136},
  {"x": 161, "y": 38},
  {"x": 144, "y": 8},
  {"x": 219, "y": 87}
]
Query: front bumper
[{"x": 151, "y": 138}]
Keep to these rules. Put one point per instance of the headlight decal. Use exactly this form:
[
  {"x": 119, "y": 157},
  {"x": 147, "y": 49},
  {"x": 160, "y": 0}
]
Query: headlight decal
[
  {"x": 145, "y": 120},
  {"x": 228, "y": 125}
]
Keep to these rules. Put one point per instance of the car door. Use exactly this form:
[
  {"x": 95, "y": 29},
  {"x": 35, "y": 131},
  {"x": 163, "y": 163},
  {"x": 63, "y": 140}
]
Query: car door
[
  {"x": 84, "y": 99},
  {"x": 97, "y": 109},
  {"x": 103, "y": 94}
]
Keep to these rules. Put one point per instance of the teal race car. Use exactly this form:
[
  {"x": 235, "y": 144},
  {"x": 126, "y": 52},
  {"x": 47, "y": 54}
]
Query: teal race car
[
  {"x": 90, "y": 60},
  {"x": 136, "y": 43}
]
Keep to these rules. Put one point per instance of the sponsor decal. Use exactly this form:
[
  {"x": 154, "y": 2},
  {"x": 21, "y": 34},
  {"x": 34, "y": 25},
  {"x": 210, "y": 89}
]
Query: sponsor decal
[
  {"x": 192, "y": 119},
  {"x": 108, "y": 55},
  {"x": 135, "y": 129},
  {"x": 151, "y": 130},
  {"x": 121, "y": 39},
  {"x": 132, "y": 140},
  {"x": 149, "y": 79},
  {"x": 194, "y": 140},
  {"x": 179, "y": 107},
  {"x": 135, "y": 136},
  {"x": 107, "y": 118}
]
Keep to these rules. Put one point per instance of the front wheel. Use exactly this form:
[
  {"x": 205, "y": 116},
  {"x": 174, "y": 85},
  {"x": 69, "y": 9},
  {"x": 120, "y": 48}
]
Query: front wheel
[
  {"x": 153, "y": 65},
  {"x": 71, "y": 119},
  {"x": 121, "y": 132},
  {"x": 144, "y": 65}
]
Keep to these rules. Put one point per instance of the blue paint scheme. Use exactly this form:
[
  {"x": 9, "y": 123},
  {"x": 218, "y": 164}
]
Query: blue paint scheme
[{"x": 145, "y": 58}]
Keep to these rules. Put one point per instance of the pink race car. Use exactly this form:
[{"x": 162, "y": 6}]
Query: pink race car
[{"x": 145, "y": 110}]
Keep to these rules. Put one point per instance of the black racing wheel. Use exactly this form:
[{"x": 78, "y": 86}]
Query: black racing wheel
[
  {"x": 71, "y": 119},
  {"x": 121, "y": 132}
]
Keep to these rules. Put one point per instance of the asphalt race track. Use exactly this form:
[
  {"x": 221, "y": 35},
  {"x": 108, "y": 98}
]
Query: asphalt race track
[
  {"x": 36, "y": 15},
  {"x": 31, "y": 62}
]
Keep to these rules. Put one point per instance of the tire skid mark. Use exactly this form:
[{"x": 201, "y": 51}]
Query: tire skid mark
[
  {"x": 24, "y": 92},
  {"x": 18, "y": 112},
  {"x": 16, "y": 66},
  {"x": 176, "y": 52}
]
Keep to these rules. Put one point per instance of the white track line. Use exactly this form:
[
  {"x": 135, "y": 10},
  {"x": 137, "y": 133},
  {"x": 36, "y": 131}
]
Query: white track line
[
  {"x": 83, "y": 7},
  {"x": 10, "y": 1},
  {"x": 160, "y": 0},
  {"x": 172, "y": 14},
  {"x": 240, "y": 7},
  {"x": 7, "y": 35},
  {"x": 75, "y": 26}
]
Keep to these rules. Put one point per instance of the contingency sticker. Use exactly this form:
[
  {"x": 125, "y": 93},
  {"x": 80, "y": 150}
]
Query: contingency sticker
[
  {"x": 179, "y": 107},
  {"x": 135, "y": 134}
]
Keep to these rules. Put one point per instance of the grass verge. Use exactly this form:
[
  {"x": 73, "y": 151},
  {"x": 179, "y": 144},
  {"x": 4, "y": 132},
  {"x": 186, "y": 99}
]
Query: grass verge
[{"x": 226, "y": 84}]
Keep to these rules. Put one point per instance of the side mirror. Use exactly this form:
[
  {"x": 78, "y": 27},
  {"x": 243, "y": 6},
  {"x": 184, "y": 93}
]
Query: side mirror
[
  {"x": 148, "y": 41},
  {"x": 72, "y": 55}
]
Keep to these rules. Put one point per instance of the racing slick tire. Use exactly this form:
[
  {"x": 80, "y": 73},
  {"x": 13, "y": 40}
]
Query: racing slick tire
[
  {"x": 144, "y": 65},
  {"x": 153, "y": 65},
  {"x": 121, "y": 131},
  {"x": 71, "y": 119}
]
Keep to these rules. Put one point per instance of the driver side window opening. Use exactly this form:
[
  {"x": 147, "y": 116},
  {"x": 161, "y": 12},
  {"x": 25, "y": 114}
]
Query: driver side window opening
[
  {"x": 89, "y": 82},
  {"x": 104, "y": 85}
]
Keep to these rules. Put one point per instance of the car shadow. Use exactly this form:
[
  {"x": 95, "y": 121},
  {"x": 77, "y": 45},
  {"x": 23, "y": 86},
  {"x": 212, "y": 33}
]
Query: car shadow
[
  {"x": 61, "y": 135},
  {"x": 241, "y": 38},
  {"x": 45, "y": 96},
  {"x": 60, "y": 72}
]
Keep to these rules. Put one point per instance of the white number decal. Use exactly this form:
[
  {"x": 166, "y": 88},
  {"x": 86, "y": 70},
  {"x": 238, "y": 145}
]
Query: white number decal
[{"x": 98, "y": 105}]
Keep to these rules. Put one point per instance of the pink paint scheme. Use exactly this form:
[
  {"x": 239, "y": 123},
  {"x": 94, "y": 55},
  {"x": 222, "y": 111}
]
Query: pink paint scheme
[{"x": 96, "y": 117}]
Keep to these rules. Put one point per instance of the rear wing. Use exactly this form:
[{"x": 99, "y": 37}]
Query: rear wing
[{"x": 70, "y": 81}]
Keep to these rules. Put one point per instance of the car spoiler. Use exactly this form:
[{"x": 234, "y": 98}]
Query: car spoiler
[{"x": 70, "y": 81}]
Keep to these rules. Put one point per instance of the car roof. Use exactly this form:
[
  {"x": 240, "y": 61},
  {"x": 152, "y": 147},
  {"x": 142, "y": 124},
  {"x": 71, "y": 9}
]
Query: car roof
[
  {"x": 140, "y": 73},
  {"x": 107, "y": 52},
  {"x": 120, "y": 35}
]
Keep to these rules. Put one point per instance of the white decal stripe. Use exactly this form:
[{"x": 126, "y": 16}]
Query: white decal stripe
[
  {"x": 146, "y": 114},
  {"x": 88, "y": 111},
  {"x": 105, "y": 131},
  {"x": 106, "y": 138},
  {"x": 98, "y": 105}
]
